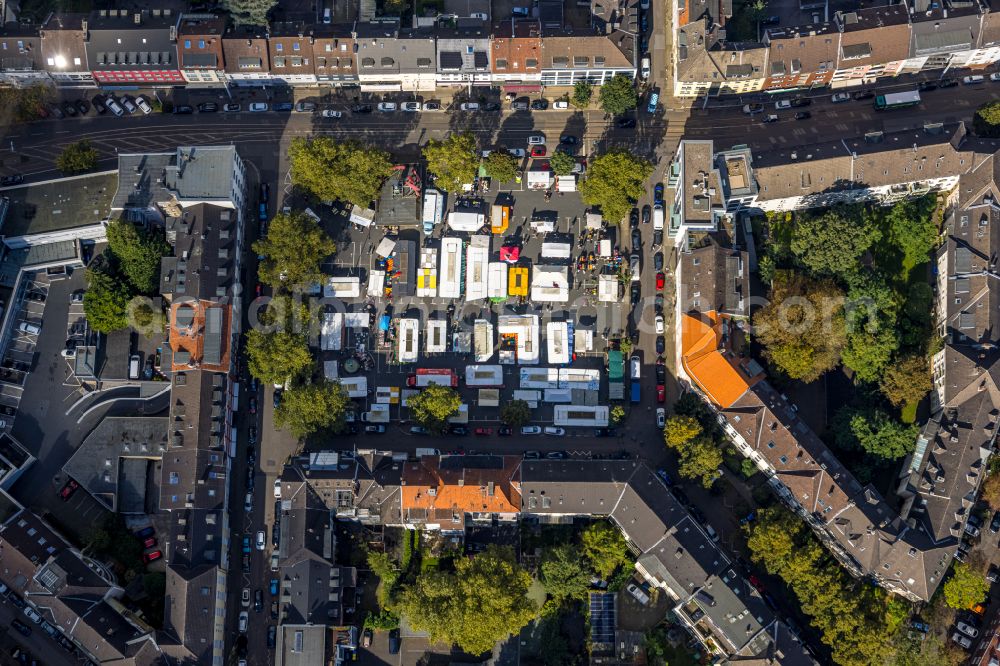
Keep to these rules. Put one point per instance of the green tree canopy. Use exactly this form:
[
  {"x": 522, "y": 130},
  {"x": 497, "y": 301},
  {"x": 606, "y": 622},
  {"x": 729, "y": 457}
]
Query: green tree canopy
[
  {"x": 582, "y": 92},
  {"x": 249, "y": 12},
  {"x": 515, "y": 413},
  {"x": 906, "y": 380},
  {"x": 618, "y": 95},
  {"x": 313, "y": 407},
  {"x": 453, "y": 161},
  {"x": 772, "y": 541},
  {"x": 564, "y": 575},
  {"x": 137, "y": 253},
  {"x": 105, "y": 302},
  {"x": 965, "y": 588},
  {"x": 700, "y": 459},
  {"x": 615, "y": 181},
  {"x": 986, "y": 122},
  {"x": 501, "y": 166},
  {"x": 604, "y": 547},
  {"x": 77, "y": 158},
  {"x": 433, "y": 405},
  {"x": 679, "y": 430},
  {"x": 482, "y": 602},
  {"x": 334, "y": 170},
  {"x": 275, "y": 357},
  {"x": 293, "y": 251},
  {"x": 802, "y": 327},
  {"x": 912, "y": 230},
  {"x": 875, "y": 432},
  {"x": 832, "y": 243},
  {"x": 872, "y": 335},
  {"x": 562, "y": 163}
]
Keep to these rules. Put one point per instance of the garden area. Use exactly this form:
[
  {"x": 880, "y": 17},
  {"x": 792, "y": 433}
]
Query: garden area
[{"x": 851, "y": 303}]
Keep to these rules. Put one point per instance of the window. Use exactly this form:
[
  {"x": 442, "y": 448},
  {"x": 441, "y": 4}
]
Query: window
[
  {"x": 368, "y": 62},
  {"x": 468, "y": 50},
  {"x": 295, "y": 46},
  {"x": 501, "y": 63},
  {"x": 388, "y": 62},
  {"x": 51, "y": 62},
  {"x": 784, "y": 460},
  {"x": 328, "y": 48},
  {"x": 187, "y": 43},
  {"x": 201, "y": 43},
  {"x": 3, "y": 45},
  {"x": 279, "y": 47},
  {"x": 279, "y": 61},
  {"x": 76, "y": 61},
  {"x": 531, "y": 63}
]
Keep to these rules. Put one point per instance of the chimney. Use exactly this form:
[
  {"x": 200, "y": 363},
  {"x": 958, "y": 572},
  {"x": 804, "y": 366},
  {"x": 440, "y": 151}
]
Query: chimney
[{"x": 83, "y": 28}]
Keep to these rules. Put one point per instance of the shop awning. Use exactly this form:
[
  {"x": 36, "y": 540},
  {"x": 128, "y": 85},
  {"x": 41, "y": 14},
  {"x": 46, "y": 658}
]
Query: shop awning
[{"x": 521, "y": 87}]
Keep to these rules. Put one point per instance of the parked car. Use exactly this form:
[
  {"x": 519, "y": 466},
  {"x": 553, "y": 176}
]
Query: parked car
[
  {"x": 483, "y": 432},
  {"x": 539, "y": 104},
  {"x": 972, "y": 80},
  {"x": 143, "y": 105},
  {"x": 128, "y": 104},
  {"x": 658, "y": 193},
  {"x": 361, "y": 108},
  {"x": 82, "y": 107},
  {"x": 99, "y": 104},
  {"x": 114, "y": 107},
  {"x": 8, "y": 181},
  {"x": 21, "y": 627},
  {"x": 469, "y": 106},
  {"x": 520, "y": 105},
  {"x": 208, "y": 107},
  {"x": 149, "y": 543},
  {"x": 538, "y": 151},
  {"x": 305, "y": 107},
  {"x": 330, "y": 113},
  {"x": 257, "y": 107},
  {"x": 536, "y": 139},
  {"x": 770, "y": 118},
  {"x": 661, "y": 280},
  {"x": 186, "y": 110},
  {"x": 418, "y": 430},
  {"x": 638, "y": 593},
  {"x": 432, "y": 106},
  {"x": 961, "y": 640},
  {"x": 971, "y": 530},
  {"x": 152, "y": 557},
  {"x": 246, "y": 543},
  {"x": 661, "y": 418},
  {"x": 68, "y": 490},
  {"x": 375, "y": 429},
  {"x": 458, "y": 430},
  {"x": 531, "y": 430},
  {"x": 244, "y": 621},
  {"x": 967, "y": 629},
  {"x": 261, "y": 541},
  {"x": 783, "y": 104},
  {"x": 532, "y": 455},
  {"x": 394, "y": 641},
  {"x": 803, "y": 115},
  {"x": 232, "y": 107},
  {"x": 626, "y": 123},
  {"x": 995, "y": 76},
  {"x": 751, "y": 109},
  {"x": 245, "y": 597},
  {"x": 505, "y": 431},
  {"x": 947, "y": 83},
  {"x": 551, "y": 430},
  {"x": 661, "y": 346},
  {"x": 863, "y": 95},
  {"x": 838, "y": 98},
  {"x": 556, "y": 455}
]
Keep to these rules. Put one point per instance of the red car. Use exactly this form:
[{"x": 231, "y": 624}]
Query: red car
[
  {"x": 152, "y": 557},
  {"x": 538, "y": 151},
  {"x": 661, "y": 279},
  {"x": 260, "y": 290},
  {"x": 484, "y": 431},
  {"x": 149, "y": 543},
  {"x": 68, "y": 490},
  {"x": 661, "y": 393}
]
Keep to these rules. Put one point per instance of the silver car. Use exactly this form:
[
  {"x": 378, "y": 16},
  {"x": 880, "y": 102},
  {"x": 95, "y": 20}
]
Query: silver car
[{"x": 536, "y": 139}]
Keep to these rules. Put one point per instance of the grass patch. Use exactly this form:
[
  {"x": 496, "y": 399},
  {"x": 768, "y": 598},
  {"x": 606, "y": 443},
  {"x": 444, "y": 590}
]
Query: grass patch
[{"x": 908, "y": 414}]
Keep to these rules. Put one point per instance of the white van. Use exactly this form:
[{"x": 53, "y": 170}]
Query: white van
[
  {"x": 28, "y": 327},
  {"x": 133, "y": 366},
  {"x": 427, "y": 452},
  {"x": 644, "y": 67},
  {"x": 971, "y": 80},
  {"x": 327, "y": 18},
  {"x": 658, "y": 217},
  {"x": 634, "y": 367}
]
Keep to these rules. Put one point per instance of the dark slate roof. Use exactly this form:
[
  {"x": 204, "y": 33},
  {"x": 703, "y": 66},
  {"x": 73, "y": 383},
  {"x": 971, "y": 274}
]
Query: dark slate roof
[{"x": 125, "y": 40}]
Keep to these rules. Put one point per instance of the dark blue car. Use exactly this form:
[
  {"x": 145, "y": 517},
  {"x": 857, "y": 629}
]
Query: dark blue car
[
  {"x": 246, "y": 544},
  {"x": 274, "y": 587},
  {"x": 658, "y": 193}
]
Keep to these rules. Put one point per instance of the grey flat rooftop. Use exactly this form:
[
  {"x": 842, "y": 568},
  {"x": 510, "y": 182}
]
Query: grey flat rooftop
[
  {"x": 67, "y": 203},
  {"x": 45, "y": 254},
  {"x": 112, "y": 460}
]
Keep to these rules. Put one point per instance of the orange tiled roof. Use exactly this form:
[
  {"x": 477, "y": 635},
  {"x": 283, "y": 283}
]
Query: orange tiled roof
[
  {"x": 425, "y": 485},
  {"x": 192, "y": 338},
  {"x": 705, "y": 364}
]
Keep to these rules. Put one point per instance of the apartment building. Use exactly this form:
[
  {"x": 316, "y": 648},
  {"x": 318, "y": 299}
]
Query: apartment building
[
  {"x": 199, "y": 48},
  {"x": 463, "y": 57},
  {"x": 392, "y": 59},
  {"x": 246, "y": 57},
  {"x": 75, "y": 596},
  {"x": 941, "y": 479},
  {"x": 291, "y": 54},
  {"x": 516, "y": 55},
  {"x": 850, "y": 48},
  {"x": 132, "y": 47},
  {"x": 709, "y": 594},
  {"x": 198, "y": 195},
  {"x": 334, "y": 55},
  {"x": 21, "y": 60},
  {"x": 909, "y": 550},
  {"x": 64, "y": 50}
]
